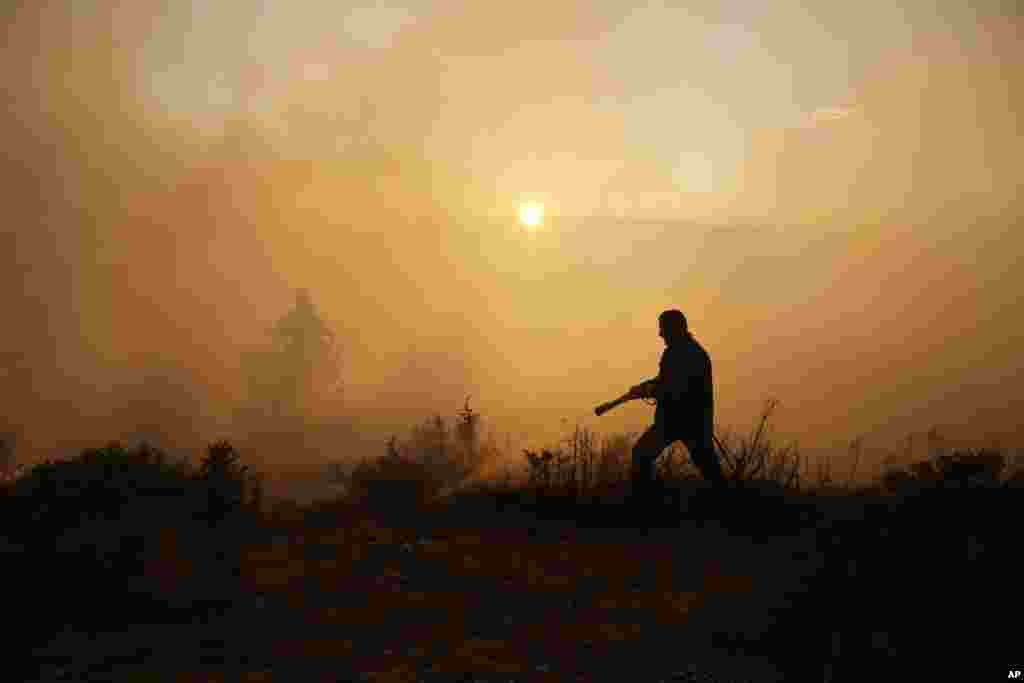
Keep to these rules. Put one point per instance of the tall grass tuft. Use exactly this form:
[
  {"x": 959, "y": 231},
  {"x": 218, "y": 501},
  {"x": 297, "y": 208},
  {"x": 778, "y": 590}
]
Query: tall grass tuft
[{"x": 755, "y": 458}]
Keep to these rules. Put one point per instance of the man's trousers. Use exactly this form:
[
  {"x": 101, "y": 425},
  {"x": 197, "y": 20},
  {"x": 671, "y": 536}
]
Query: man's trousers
[{"x": 699, "y": 442}]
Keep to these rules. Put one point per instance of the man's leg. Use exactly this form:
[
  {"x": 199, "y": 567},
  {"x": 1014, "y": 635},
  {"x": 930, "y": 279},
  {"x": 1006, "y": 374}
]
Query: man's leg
[
  {"x": 646, "y": 450},
  {"x": 703, "y": 455}
]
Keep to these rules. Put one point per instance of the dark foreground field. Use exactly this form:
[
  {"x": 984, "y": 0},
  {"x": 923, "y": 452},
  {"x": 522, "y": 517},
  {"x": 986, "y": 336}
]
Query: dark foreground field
[{"x": 759, "y": 587}]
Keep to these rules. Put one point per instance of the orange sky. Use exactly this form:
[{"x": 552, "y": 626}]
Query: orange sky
[{"x": 832, "y": 199}]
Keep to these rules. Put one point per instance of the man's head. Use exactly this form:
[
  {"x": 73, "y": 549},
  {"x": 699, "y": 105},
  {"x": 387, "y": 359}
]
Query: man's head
[{"x": 672, "y": 325}]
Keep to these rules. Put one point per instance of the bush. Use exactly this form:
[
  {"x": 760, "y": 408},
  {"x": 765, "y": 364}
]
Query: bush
[
  {"x": 431, "y": 463},
  {"x": 961, "y": 470},
  {"x": 90, "y": 521},
  {"x": 394, "y": 482},
  {"x": 98, "y": 519},
  {"x": 98, "y": 485},
  {"x": 226, "y": 484}
]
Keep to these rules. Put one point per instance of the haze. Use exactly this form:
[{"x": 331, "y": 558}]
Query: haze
[{"x": 831, "y": 192}]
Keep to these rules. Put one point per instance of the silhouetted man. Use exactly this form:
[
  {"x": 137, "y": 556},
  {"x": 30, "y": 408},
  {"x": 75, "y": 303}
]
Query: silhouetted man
[{"x": 685, "y": 411}]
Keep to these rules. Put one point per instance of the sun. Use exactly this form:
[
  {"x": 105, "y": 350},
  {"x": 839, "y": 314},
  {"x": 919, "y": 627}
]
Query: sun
[{"x": 531, "y": 214}]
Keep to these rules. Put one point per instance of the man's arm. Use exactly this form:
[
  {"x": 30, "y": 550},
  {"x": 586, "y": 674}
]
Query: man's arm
[
  {"x": 651, "y": 388},
  {"x": 673, "y": 377},
  {"x": 647, "y": 388}
]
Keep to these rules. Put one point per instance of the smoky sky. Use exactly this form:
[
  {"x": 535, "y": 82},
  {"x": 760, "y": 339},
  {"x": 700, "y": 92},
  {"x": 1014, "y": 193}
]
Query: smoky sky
[{"x": 831, "y": 195}]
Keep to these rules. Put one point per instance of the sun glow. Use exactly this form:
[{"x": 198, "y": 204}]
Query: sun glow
[{"x": 531, "y": 215}]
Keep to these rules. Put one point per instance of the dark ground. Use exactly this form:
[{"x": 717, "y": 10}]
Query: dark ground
[{"x": 770, "y": 588}]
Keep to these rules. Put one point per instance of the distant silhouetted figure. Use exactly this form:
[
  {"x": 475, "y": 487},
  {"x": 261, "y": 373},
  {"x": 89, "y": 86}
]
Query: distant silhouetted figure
[
  {"x": 304, "y": 341},
  {"x": 685, "y": 410},
  {"x": 301, "y": 331}
]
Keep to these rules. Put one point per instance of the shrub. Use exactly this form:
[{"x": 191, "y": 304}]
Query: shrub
[
  {"x": 982, "y": 467},
  {"x": 961, "y": 470},
  {"x": 226, "y": 484},
  {"x": 393, "y": 481},
  {"x": 897, "y": 479},
  {"x": 450, "y": 461},
  {"x": 91, "y": 521},
  {"x": 98, "y": 485},
  {"x": 540, "y": 466},
  {"x": 98, "y": 516},
  {"x": 582, "y": 469},
  {"x": 431, "y": 463}
]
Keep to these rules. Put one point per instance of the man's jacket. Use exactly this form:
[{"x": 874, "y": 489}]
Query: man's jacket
[{"x": 684, "y": 387}]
